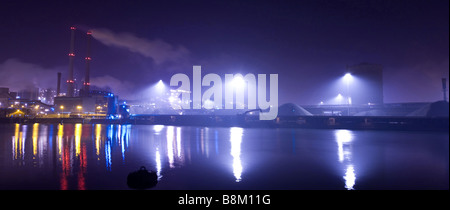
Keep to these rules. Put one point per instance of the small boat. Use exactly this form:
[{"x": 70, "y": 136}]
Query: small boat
[{"x": 142, "y": 179}]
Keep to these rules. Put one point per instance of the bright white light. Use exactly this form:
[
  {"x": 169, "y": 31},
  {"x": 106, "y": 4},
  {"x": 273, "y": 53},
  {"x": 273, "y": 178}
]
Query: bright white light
[
  {"x": 238, "y": 82},
  {"x": 160, "y": 86},
  {"x": 348, "y": 77}
]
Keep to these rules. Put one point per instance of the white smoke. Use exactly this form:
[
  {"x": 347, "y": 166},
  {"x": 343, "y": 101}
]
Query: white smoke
[
  {"x": 160, "y": 51},
  {"x": 18, "y": 75},
  {"x": 118, "y": 87}
]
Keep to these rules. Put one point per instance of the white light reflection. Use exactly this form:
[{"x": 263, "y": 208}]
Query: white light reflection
[
  {"x": 158, "y": 164},
  {"x": 236, "y": 139},
  {"x": 170, "y": 141},
  {"x": 124, "y": 135},
  {"x": 22, "y": 137},
  {"x": 108, "y": 154},
  {"x": 110, "y": 132},
  {"x": 179, "y": 142},
  {"x": 344, "y": 140},
  {"x": 350, "y": 177},
  {"x": 42, "y": 144},
  {"x": 119, "y": 134},
  {"x": 174, "y": 153},
  {"x": 158, "y": 128}
]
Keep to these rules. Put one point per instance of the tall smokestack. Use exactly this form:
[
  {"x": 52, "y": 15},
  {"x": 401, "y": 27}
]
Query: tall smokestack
[
  {"x": 70, "y": 82},
  {"x": 58, "y": 85},
  {"x": 88, "y": 59}
]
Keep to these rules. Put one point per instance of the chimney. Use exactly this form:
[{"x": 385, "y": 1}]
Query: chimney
[
  {"x": 88, "y": 59},
  {"x": 70, "y": 81}
]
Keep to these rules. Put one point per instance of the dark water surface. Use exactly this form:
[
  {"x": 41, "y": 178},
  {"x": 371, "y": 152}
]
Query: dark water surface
[{"x": 84, "y": 156}]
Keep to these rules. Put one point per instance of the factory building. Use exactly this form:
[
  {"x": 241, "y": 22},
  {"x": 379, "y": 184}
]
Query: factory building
[
  {"x": 98, "y": 103},
  {"x": 11, "y": 102},
  {"x": 87, "y": 103}
]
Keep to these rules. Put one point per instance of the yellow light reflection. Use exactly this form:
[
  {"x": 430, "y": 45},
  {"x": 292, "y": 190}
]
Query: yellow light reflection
[
  {"x": 34, "y": 137},
  {"x": 16, "y": 141},
  {"x": 60, "y": 137},
  {"x": 236, "y": 139},
  {"x": 78, "y": 128},
  {"x": 98, "y": 136}
]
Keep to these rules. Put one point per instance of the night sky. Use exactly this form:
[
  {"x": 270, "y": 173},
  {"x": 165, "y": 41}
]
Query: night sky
[{"x": 307, "y": 43}]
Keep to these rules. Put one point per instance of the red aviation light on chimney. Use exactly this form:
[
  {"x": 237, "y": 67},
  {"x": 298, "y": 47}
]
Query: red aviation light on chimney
[
  {"x": 88, "y": 58},
  {"x": 72, "y": 28},
  {"x": 72, "y": 54},
  {"x": 70, "y": 81},
  {"x": 89, "y": 33},
  {"x": 86, "y": 83}
]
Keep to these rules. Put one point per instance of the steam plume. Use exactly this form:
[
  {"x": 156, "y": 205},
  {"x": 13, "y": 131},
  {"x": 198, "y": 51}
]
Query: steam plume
[{"x": 160, "y": 51}]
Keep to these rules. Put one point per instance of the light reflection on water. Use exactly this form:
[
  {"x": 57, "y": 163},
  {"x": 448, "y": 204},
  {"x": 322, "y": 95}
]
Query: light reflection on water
[
  {"x": 344, "y": 140},
  {"x": 236, "y": 139},
  {"x": 83, "y": 156}
]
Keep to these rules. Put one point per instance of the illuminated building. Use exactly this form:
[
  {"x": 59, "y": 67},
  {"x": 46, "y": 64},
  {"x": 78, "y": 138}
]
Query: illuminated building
[{"x": 99, "y": 102}]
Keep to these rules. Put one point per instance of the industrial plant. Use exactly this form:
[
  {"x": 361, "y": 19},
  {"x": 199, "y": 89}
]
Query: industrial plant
[
  {"x": 362, "y": 97},
  {"x": 74, "y": 103}
]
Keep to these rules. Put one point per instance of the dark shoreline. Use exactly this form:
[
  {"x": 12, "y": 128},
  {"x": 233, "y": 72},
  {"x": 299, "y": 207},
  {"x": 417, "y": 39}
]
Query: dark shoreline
[{"x": 318, "y": 122}]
